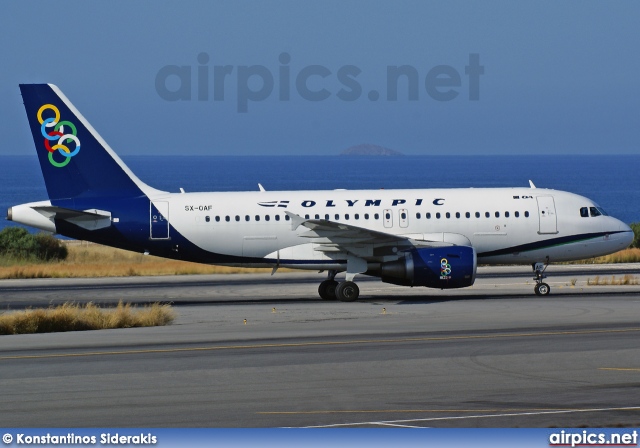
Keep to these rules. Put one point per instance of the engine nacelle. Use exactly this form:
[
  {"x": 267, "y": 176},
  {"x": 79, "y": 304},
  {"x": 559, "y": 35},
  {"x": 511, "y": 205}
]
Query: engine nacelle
[{"x": 433, "y": 267}]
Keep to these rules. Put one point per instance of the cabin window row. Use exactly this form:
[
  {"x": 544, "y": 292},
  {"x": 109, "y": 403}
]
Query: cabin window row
[
  {"x": 468, "y": 215},
  {"x": 366, "y": 216},
  {"x": 246, "y": 218}
]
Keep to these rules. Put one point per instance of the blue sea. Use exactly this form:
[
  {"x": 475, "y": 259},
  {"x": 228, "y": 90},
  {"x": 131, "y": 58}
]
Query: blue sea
[{"x": 613, "y": 181}]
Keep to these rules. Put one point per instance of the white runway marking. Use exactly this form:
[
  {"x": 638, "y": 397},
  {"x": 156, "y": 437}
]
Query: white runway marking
[{"x": 432, "y": 419}]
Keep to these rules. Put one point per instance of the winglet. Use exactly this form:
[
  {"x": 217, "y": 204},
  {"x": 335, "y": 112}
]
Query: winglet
[
  {"x": 261, "y": 187},
  {"x": 296, "y": 220},
  {"x": 531, "y": 184}
]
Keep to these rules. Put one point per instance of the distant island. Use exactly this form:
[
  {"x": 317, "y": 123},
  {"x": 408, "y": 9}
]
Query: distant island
[{"x": 367, "y": 149}]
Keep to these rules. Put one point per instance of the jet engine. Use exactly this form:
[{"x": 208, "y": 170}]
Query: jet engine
[{"x": 433, "y": 267}]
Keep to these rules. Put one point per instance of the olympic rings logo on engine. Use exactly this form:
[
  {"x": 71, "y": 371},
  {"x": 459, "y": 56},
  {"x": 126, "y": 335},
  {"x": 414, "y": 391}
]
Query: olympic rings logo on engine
[
  {"x": 445, "y": 269},
  {"x": 58, "y": 133}
]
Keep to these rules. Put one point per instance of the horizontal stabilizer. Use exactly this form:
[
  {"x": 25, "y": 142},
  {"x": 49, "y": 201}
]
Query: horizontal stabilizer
[{"x": 87, "y": 219}]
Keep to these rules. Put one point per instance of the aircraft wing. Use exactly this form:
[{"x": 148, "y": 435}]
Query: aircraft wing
[
  {"x": 342, "y": 233},
  {"x": 331, "y": 236}
]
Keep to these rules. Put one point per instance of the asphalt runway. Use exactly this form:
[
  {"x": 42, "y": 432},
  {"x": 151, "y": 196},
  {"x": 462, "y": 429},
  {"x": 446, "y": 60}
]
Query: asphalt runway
[{"x": 493, "y": 355}]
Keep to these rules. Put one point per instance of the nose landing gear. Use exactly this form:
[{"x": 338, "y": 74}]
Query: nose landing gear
[{"x": 541, "y": 288}]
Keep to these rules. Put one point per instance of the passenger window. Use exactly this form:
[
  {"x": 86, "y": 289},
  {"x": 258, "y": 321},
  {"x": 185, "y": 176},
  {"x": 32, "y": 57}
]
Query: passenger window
[
  {"x": 477, "y": 214},
  {"x": 266, "y": 217},
  {"x": 506, "y": 214},
  {"x": 306, "y": 216},
  {"x": 346, "y": 216},
  {"x": 526, "y": 214},
  {"x": 417, "y": 215},
  {"x": 468, "y": 215},
  {"x": 594, "y": 211},
  {"x": 286, "y": 218},
  {"x": 376, "y": 216},
  {"x": 237, "y": 218},
  {"x": 317, "y": 216},
  {"x": 226, "y": 218},
  {"x": 207, "y": 219},
  {"x": 403, "y": 215},
  {"x": 366, "y": 216},
  {"x": 457, "y": 214},
  {"x": 438, "y": 215},
  {"x": 497, "y": 214},
  {"x": 357, "y": 216},
  {"x": 326, "y": 217},
  {"x": 217, "y": 219},
  {"x": 277, "y": 217},
  {"x": 428, "y": 215},
  {"x": 487, "y": 214},
  {"x": 246, "y": 217},
  {"x": 257, "y": 217},
  {"x": 337, "y": 217},
  {"x": 387, "y": 216},
  {"x": 448, "y": 215},
  {"x": 517, "y": 214}
]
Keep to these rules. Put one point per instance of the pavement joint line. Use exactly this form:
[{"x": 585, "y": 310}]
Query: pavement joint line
[
  {"x": 518, "y": 414},
  {"x": 622, "y": 369},
  {"x": 323, "y": 343}
]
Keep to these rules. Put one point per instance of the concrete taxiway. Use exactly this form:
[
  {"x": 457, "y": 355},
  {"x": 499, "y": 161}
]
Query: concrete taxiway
[{"x": 492, "y": 355}]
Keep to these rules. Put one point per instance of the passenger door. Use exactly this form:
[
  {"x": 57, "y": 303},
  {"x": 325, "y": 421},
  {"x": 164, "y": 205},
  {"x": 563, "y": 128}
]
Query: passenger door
[
  {"x": 547, "y": 215},
  {"x": 159, "y": 220}
]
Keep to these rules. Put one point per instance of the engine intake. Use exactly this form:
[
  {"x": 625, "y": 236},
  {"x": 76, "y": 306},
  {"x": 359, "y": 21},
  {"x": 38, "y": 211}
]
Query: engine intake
[{"x": 433, "y": 267}]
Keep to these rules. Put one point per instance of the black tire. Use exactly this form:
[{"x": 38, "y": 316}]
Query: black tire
[
  {"x": 327, "y": 290},
  {"x": 347, "y": 292},
  {"x": 542, "y": 289}
]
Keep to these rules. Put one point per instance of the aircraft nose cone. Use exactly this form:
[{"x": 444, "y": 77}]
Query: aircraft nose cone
[{"x": 628, "y": 234}]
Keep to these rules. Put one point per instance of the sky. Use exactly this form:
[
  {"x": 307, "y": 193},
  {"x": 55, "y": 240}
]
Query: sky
[{"x": 314, "y": 78}]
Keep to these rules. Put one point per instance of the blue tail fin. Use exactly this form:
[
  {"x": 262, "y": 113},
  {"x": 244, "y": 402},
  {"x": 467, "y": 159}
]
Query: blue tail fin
[{"x": 77, "y": 164}]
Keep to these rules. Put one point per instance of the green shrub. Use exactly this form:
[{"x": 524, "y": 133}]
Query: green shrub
[
  {"x": 18, "y": 243},
  {"x": 636, "y": 231}
]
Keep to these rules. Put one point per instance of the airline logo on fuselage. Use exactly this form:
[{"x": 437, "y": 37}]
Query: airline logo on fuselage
[
  {"x": 328, "y": 203},
  {"x": 58, "y": 133}
]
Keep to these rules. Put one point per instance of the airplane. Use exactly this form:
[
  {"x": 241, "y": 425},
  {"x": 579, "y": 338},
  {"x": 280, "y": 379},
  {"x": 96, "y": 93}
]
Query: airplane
[{"x": 416, "y": 237}]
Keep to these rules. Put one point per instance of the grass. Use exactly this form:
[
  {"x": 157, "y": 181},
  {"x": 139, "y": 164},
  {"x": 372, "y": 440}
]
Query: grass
[
  {"x": 75, "y": 317},
  {"x": 94, "y": 260},
  {"x": 613, "y": 280},
  {"x": 623, "y": 256}
]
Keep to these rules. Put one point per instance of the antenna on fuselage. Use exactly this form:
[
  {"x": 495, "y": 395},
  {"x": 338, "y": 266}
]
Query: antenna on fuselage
[{"x": 531, "y": 184}]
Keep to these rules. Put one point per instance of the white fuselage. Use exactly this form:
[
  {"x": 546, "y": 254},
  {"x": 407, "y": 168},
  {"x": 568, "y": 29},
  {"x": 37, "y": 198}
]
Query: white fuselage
[{"x": 504, "y": 225}]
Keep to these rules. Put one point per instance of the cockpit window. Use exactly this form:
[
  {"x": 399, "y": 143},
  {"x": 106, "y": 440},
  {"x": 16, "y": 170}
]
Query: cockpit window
[
  {"x": 594, "y": 211},
  {"x": 601, "y": 210},
  {"x": 584, "y": 212}
]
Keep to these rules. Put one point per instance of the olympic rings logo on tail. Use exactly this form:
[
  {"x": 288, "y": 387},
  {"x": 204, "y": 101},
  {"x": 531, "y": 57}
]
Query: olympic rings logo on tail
[
  {"x": 58, "y": 134},
  {"x": 445, "y": 269}
]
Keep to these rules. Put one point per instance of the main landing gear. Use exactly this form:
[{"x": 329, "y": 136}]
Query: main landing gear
[
  {"x": 541, "y": 288},
  {"x": 330, "y": 289}
]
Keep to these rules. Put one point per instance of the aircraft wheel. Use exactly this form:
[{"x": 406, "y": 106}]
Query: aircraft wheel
[
  {"x": 542, "y": 289},
  {"x": 327, "y": 289},
  {"x": 347, "y": 292}
]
